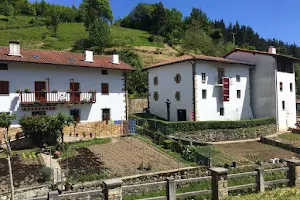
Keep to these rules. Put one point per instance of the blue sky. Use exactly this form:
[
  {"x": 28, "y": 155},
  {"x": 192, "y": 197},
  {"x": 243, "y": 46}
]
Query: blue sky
[{"x": 270, "y": 18}]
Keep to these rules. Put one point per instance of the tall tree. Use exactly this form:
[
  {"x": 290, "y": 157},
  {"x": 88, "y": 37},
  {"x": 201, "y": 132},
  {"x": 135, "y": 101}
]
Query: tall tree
[
  {"x": 94, "y": 9},
  {"x": 99, "y": 35},
  {"x": 6, "y": 120},
  {"x": 54, "y": 20},
  {"x": 6, "y": 9},
  {"x": 198, "y": 18}
]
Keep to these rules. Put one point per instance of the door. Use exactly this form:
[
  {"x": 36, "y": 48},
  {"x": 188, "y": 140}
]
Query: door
[
  {"x": 40, "y": 91},
  {"x": 75, "y": 95},
  {"x": 181, "y": 115}
]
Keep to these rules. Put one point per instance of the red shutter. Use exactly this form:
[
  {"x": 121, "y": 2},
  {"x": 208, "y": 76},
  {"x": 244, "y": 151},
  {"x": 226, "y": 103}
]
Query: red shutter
[
  {"x": 104, "y": 87},
  {"x": 4, "y": 87},
  {"x": 225, "y": 89}
]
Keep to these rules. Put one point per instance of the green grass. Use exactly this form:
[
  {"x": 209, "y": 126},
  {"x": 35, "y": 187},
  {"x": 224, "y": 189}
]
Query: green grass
[
  {"x": 68, "y": 34},
  {"x": 71, "y": 147},
  {"x": 18, "y": 22},
  {"x": 290, "y": 136}
]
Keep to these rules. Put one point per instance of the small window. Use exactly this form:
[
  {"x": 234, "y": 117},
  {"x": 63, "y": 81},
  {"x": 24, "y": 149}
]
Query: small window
[
  {"x": 283, "y": 105},
  {"x": 76, "y": 114},
  {"x": 291, "y": 87},
  {"x": 104, "y": 88},
  {"x": 4, "y": 87},
  {"x": 177, "y": 78},
  {"x": 3, "y": 66},
  {"x": 38, "y": 113},
  {"x": 155, "y": 80},
  {"x": 221, "y": 111},
  {"x": 177, "y": 96},
  {"x": 156, "y": 96},
  {"x": 203, "y": 77},
  {"x": 221, "y": 74},
  {"x": 203, "y": 94},
  {"x": 104, "y": 72},
  {"x": 281, "y": 86},
  {"x": 238, "y": 94},
  {"x": 238, "y": 78},
  {"x": 105, "y": 114}
]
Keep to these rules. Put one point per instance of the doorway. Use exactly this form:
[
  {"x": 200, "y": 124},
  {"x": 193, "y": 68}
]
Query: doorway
[
  {"x": 181, "y": 114},
  {"x": 75, "y": 95},
  {"x": 40, "y": 91}
]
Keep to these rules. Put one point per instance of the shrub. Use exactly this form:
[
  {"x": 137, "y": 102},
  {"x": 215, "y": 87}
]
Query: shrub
[
  {"x": 189, "y": 153},
  {"x": 167, "y": 144},
  {"x": 46, "y": 173},
  {"x": 156, "y": 38}
]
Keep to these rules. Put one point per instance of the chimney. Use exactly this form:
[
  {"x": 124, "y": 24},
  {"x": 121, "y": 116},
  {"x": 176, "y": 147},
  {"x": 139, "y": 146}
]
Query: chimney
[
  {"x": 89, "y": 57},
  {"x": 272, "y": 50},
  {"x": 14, "y": 48},
  {"x": 115, "y": 59}
]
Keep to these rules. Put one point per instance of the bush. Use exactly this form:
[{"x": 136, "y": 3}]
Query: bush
[
  {"x": 46, "y": 173},
  {"x": 156, "y": 38},
  {"x": 167, "y": 144}
]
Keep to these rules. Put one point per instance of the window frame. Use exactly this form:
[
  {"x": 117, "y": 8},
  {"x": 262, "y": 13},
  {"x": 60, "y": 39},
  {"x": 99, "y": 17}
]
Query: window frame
[
  {"x": 238, "y": 78},
  {"x": 281, "y": 86},
  {"x": 5, "y": 91},
  {"x": 155, "y": 80},
  {"x": 104, "y": 72},
  {"x": 109, "y": 114},
  {"x": 291, "y": 87},
  {"x": 177, "y": 78},
  {"x": 78, "y": 118},
  {"x": 220, "y": 79},
  {"x": 155, "y": 96},
  {"x": 203, "y": 77},
  {"x": 222, "y": 111},
  {"x": 204, "y": 94},
  {"x": 238, "y": 94},
  {"x": 177, "y": 96},
  {"x": 3, "y": 66},
  {"x": 102, "y": 86},
  {"x": 283, "y": 105}
]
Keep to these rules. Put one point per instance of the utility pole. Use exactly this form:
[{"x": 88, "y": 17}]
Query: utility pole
[{"x": 233, "y": 37}]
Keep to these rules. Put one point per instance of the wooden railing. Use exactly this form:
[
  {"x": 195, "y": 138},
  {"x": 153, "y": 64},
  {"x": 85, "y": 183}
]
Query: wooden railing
[{"x": 57, "y": 97}]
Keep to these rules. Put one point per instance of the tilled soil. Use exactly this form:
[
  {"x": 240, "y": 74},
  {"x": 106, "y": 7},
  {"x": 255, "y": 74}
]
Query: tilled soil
[{"x": 122, "y": 157}]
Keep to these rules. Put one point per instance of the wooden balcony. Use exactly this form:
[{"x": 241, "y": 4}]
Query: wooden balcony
[{"x": 50, "y": 98}]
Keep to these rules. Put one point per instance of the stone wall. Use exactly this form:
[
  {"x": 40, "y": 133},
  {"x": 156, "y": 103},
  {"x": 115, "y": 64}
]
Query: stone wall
[
  {"x": 137, "y": 105},
  {"x": 11, "y": 133},
  {"x": 26, "y": 193},
  {"x": 211, "y": 135}
]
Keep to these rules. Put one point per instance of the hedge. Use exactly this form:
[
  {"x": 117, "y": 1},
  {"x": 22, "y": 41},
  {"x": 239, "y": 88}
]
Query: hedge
[{"x": 190, "y": 126}]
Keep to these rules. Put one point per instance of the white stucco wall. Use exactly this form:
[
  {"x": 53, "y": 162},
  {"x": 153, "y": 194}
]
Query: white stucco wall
[
  {"x": 167, "y": 88},
  {"x": 262, "y": 83},
  {"x": 23, "y": 75},
  {"x": 288, "y": 117},
  {"x": 209, "y": 108}
]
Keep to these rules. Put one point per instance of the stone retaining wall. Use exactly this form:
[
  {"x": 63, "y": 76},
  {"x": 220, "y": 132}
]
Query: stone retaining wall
[
  {"x": 279, "y": 144},
  {"x": 27, "y": 193},
  {"x": 137, "y": 105}
]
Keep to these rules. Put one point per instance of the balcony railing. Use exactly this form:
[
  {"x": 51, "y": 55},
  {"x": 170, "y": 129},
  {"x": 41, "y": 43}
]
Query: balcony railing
[{"x": 57, "y": 97}]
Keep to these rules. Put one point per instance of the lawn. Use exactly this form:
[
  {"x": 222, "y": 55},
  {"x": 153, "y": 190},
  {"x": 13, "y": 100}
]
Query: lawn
[
  {"x": 290, "y": 136},
  {"x": 18, "y": 22}
]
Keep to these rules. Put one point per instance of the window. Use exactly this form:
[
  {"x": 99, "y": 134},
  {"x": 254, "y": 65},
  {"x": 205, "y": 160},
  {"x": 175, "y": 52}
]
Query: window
[
  {"x": 177, "y": 78},
  {"x": 203, "y": 94},
  {"x": 104, "y": 72},
  {"x": 285, "y": 66},
  {"x": 155, "y": 96},
  {"x": 238, "y": 78},
  {"x": 177, "y": 96},
  {"x": 104, "y": 88},
  {"x": 238, "y": 94},
  {"x": 38, "y": 113},
  {"x": 221, "y": 111},
  {"x": 155, "y": 80},
  {"x": 221, "y": 74},
  {"x": 291, "y": 87},
  {"x": 203, "y": 77},
  {"x": 76, "y": 114},
  {"x": 3, "y": 66},
  {"x": 283, "y": 105},
  {"x": 105, "y": 114},
  {"x": 4, "y": 87},
  {"x": 281, "y": 86}
]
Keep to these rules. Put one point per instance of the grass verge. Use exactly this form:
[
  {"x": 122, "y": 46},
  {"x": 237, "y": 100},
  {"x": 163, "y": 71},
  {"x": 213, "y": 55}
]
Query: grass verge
[{"x": 290, "y": 136}]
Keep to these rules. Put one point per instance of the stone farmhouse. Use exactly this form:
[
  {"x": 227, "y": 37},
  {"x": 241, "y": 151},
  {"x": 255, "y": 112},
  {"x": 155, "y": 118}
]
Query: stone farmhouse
[{"x": 42, "y": 82}]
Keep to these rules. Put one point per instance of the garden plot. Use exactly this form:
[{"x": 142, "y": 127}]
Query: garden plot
[
  {"x": 25, "y": 166},
  {"x": 253, "y": 152},
  {"x": 289, "y": 138}
]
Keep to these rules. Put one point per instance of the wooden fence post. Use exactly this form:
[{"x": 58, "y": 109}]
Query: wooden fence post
[
  {"x": 113, "y": 189},
  {"x": 171, "y": 189},
  {"x": 294, "y": 172},
  {"x": 219, "y": 183},
  {"x": 260, "y": 180}
]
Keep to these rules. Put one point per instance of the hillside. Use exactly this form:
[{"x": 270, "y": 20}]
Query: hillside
[{"x": 70, "y": 33}]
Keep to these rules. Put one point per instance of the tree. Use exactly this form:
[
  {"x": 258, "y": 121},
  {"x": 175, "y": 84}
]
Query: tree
[
  {"x": 54, "y": 20},
  {"x": 6, "y": 9},
  {"x": 94, "y": 9},
  {"x": 5, "y": 122},
  {"x": 198, "y": 18},
  {"x": 64, "y": 120},
  {"x": 99, "y": 35}
]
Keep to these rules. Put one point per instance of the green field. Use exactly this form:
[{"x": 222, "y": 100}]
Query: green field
[
  {"x": 68, "y": 34},
  {"x": 18, "y": 22}
]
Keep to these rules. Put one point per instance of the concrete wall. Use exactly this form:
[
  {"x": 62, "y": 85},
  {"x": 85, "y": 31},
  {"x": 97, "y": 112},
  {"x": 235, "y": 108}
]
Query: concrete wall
[
  {"x": 262, "y": 83},
  {"x": 209, "y": 108},
  {"x": 23, "y": 75},
  {"x": 167, "y": 88},
  {"x": 286, "y": 117}
]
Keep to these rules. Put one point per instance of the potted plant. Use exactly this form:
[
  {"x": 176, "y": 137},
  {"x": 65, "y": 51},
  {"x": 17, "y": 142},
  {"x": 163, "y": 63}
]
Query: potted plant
[
  {"x": 84, "y": 101},
  {"x": 69, "y": 91},
  {"x": 56, "y": 154},
  {"x": 92, "y": 91},
  {"x": 44, "y": 91},
  {"x": 84, "y": 134},
  {"x": 18, "y": 90},
  {"x": 26, "y": 90},
  {"x": 54, "y": 91},
  {"x": 37, "y": 102}
]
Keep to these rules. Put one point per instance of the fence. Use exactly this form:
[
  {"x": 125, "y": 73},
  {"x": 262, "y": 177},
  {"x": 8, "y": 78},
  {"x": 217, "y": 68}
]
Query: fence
[{"x": 219, "y": 177}]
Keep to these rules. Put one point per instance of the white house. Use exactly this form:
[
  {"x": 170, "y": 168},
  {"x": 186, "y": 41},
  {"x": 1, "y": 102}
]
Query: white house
[
  {"x": 272, "y": 83},
  {"x": 43, "y": 82},
  {"x": 200, "y": 88}
]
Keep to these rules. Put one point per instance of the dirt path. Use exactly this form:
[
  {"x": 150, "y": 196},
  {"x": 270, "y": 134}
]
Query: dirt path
[{"x": 123, "y": 157}]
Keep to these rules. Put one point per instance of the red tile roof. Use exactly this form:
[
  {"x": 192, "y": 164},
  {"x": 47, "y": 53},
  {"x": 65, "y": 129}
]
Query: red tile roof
[
  {"x": 197, "y": 57},
  {"x": 263, "y": 53},
  {"x": 61, "y": 58}
]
